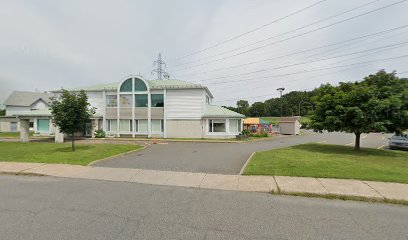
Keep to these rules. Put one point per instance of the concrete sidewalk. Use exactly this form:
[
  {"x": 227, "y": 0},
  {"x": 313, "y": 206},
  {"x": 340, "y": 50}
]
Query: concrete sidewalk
[{"x": 277, "y": 184}]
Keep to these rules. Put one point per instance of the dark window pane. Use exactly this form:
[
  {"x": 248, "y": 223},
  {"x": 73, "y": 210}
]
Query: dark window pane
[
  {"x": 157, "y": 100},
  {"x": 140, "y": 86},
  {"x": 141, "y": 100},
  {"x": 126, "y": 86}
]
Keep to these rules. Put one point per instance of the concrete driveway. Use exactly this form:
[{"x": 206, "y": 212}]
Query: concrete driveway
[{"x": 223, "y": 158}]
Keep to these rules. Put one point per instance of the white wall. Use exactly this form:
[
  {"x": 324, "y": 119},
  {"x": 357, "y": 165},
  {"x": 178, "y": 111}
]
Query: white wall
[
  {"x": 10, "y": 110},
  {"x": 40, "y": 104},
  {"x": 184, "y": 104},
  {"x": 96, "y": 100}
]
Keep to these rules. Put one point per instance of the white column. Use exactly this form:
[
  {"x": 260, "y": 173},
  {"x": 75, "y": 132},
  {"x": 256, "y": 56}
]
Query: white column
[
  {"x": 35, "y": 125},
  {"x": 164, "y": 113},
  {"x": 104, "y": 112},
  {"x": 24, "y": 130},
  {"x": 133, "y": 115},
  {"x": 149, "y": 115},
  {"x": 59, "y": 137},
  {"x": 117, "y": 115},
  {"x": 227, "y": 126}
]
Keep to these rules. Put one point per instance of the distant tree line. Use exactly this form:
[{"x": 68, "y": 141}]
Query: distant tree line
[
  {"x": 272, "y": 107},
  {"x": 377, "y": 103}
]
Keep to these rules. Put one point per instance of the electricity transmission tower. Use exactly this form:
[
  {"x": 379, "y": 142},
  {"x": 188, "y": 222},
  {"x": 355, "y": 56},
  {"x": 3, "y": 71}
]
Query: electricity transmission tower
[{"x": 160, "y": 70}]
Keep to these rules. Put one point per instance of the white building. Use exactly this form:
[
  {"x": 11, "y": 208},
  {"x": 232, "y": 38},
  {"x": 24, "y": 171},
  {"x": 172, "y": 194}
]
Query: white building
[{"x": 136, "y": 107}]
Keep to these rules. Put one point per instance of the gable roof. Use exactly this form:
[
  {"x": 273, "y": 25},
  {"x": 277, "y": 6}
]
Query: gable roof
[
  {"x": 26, "y": 99},
  {"x": 221, "y": 112}
]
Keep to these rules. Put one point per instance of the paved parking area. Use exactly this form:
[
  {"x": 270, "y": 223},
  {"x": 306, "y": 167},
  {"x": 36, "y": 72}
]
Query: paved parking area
[{"x": 223, "y": 158}]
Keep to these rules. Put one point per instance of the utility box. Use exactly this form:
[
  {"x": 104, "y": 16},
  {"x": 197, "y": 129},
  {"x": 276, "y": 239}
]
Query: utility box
[{"x": 289, "y": 126}]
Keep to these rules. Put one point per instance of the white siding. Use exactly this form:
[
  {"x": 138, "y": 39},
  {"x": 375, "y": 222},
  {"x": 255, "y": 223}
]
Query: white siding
[
  {"x": 96, "y": 100},
  {"x": 10, "y": 110},
  {"x": 184, "y": 104},
  {"x": 39, "y": 105}
]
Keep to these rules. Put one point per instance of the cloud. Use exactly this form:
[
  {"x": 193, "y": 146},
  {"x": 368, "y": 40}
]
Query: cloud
[{"x": 49, "y": 44}]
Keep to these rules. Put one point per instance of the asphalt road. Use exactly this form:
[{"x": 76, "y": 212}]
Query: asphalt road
[
  {"x": 56, "y": 208},
  {"x": 224, "y": 158}
]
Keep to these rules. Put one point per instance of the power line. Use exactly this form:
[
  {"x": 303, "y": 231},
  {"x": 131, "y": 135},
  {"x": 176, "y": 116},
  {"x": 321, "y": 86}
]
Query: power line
[
  {"x": 295, "y": 36},
  {"x": 281, "y": 34},
  {"x": 307, "y": 62},
  {"x": 250, "y": 31},
  {"x": 304, "y": 51},
  {"x": 313, "y": 70},
  {"x": 273, "y": 95}
]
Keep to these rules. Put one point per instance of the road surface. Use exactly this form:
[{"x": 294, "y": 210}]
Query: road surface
[{"x": 57, "y": 208}]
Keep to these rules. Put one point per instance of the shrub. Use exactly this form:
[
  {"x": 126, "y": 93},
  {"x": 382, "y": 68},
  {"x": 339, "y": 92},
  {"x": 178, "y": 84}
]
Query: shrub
[
  {"x": 246, "y": 132},
  {"x": 260, "y": 135},
  {"x": 100, "y": 133}
]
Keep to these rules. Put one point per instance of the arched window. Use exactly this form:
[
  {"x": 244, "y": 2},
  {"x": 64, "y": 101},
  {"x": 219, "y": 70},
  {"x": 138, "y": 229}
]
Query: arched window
[
  {"x": 126, "y": 86},
  {"x": 140, "y": 86}
]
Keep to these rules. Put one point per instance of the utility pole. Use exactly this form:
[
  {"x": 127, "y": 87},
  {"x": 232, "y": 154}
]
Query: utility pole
[
  {"x": 281, "y": 89},
  {"x": 160, "y": 70}
]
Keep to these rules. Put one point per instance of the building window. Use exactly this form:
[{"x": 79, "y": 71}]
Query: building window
[
  {"x": 126, "y": 86},
  {"x": 207, "y": 99},
  {"x": 142, "y": 126},
  {"x": 141, "y": 100},
  {"x": 125, "y": 125},
  {"x": 140, "y": 86},
  {"x": 233, "y": 125},
  {"x": 125, "y": 101},
  {"x": 112, "y": 125},
  {"x": 216, "y": 126},
  {"x": 157, "y": 100},
  {"x": 157, "y": 125},
  {"x": 111, "y": 101}
]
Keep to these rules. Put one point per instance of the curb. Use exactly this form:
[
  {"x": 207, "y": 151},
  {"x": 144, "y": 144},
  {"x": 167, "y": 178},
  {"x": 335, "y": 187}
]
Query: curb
[{"x": 246, "y": 163}]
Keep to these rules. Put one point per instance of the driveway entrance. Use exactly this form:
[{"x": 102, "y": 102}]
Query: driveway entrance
[{"x": 221, "y": 158}]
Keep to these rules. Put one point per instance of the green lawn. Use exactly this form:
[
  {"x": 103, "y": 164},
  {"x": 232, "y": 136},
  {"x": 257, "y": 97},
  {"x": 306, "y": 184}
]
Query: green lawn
[
  {"x": 60, "y": 153},
  {"x": 331, "y": 161},
  {"x": 12, "y": 134}
]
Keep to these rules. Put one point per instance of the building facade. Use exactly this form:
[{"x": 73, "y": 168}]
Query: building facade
[{"x": 136, "y": 107}]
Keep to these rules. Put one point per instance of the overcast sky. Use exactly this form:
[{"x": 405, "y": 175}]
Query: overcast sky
[{"x": 46, "y": 45}]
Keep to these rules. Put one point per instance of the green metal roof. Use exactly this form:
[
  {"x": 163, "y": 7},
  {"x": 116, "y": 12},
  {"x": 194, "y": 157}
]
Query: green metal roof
[
  {"x": 153, "y": 84},
  {"x": 35, "y": 113},
  {"x": 46, "y": 112},
  {"x": 221, "y": 112},
  {"x": 165, "y": 84},
  {"x": 97, "y": 87}
]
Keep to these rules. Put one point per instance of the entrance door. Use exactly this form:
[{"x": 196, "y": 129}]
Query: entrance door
[
  {"x": 43, "y": 125},
  {"x": 13, "y": 127}
]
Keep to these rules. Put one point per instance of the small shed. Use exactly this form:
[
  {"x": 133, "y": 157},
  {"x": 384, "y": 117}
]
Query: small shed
[{"x": 289, "y": 125}]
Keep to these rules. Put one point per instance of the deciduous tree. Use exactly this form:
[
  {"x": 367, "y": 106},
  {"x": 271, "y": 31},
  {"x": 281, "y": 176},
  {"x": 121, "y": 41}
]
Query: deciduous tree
[{"x": 70, "y": 112}]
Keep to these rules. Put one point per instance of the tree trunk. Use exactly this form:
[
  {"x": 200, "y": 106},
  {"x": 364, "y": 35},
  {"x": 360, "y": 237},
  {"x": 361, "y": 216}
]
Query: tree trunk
[
  {"x": 357, "y": 143},
  {"x": 73, "y": 142}
]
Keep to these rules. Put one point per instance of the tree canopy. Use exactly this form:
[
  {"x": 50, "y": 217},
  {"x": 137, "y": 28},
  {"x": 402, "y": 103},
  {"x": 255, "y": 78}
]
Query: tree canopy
[
  {"x": 71, "y": 112},
  {"x": 378, "y": 103}
]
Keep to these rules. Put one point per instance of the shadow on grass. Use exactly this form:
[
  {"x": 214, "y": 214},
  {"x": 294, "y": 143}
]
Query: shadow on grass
[
  {"x": 77, "y": 148},
  {"x": 336, "y": 149}
]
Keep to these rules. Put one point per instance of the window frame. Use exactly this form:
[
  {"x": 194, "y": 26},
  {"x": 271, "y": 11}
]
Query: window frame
[
  {"x": 147, "y": 100},
  {"x": 151, "y": 99},
  {"x": 110, "y": 95},
  {"x": 211, "y": 126}
]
